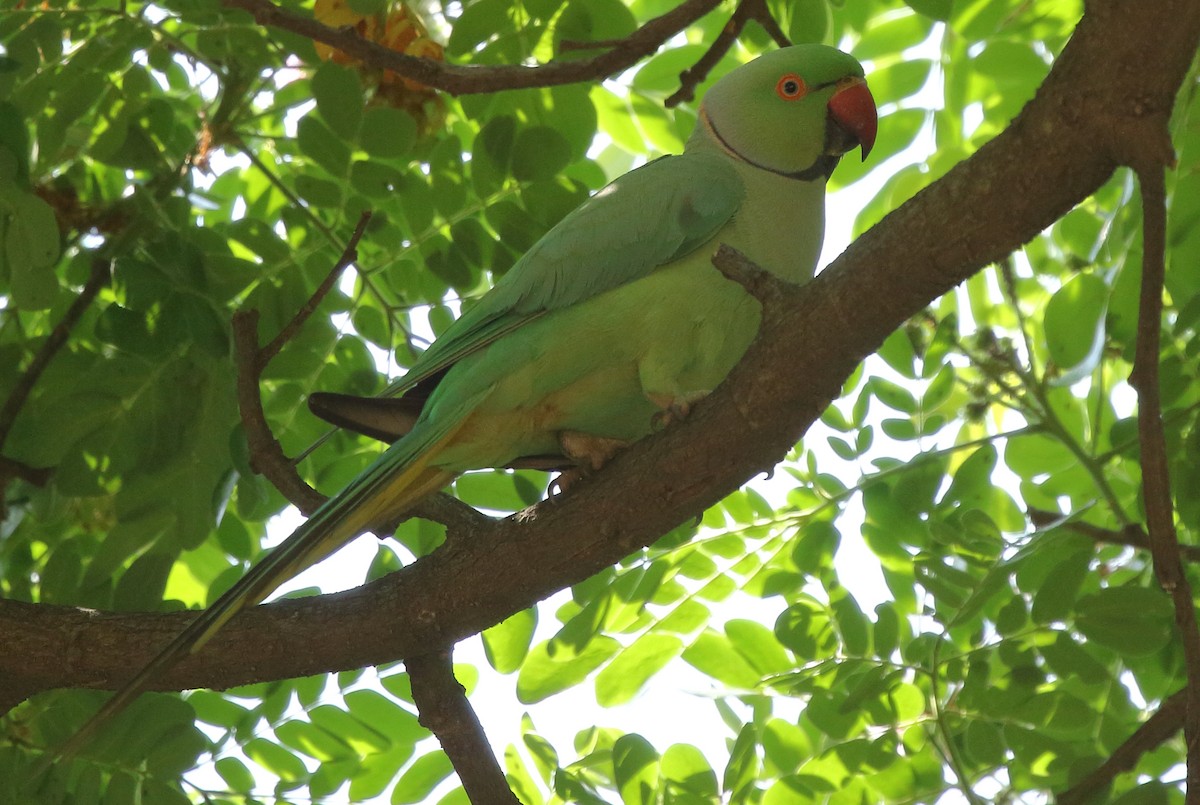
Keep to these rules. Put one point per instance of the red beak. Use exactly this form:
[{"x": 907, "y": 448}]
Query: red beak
[{"x": 853, "y": 108}]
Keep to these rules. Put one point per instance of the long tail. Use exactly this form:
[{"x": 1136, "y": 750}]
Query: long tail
[{"x": 398, "y": 478}]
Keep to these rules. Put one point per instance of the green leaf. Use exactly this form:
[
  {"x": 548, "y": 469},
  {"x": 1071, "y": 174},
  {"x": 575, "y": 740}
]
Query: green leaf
[
  {"x": 275, "y": 759},
  {"x": 893, "y": 36},
  {"x": 685, "y": 770},
  {"x": 743, "y": 762},
  {"x": 313, "y": 741},
  {"x": 810, "y": 21},
  {"x": 141, "y": 586},
  {"x": 1074, "y": 324},
  {"x": 806, "y": 629},
  {"x": 235, "y": 774},
  {"x": 386, "y": 132},
  {"x": 507, "y": 643},
  {"x": 498, "y": 490},
  {"x": 385, "y": 717},
  {"x": 633, "y": 666},
  {"x": 31, "y": 248},
  {"x": 934, "y": 9},
  {"x": 635, "y": 769},
  {"x": 539, "y": 153},
  {"x": 338, "y": 94},
  {"x": 785, "y": 745},
  {"x": 322, "y": 146},
  {"x": 553, "y": 666},
  {"x": 419, "y": 780},
  {"x": 1134, "y": 621},
  {"x": 713, "y": 654},
  {"x": 759, "y": 647},
  {"x": 591, "y": 20}
]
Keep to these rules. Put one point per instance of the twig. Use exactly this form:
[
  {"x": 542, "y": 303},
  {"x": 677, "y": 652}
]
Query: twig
[
  {"x": 444, "y": 711},
  {"x": 1156, "y": 480},
  {"x": 757, "y": 281},
  {"x": 747, "y": 10},
  {"x": 268, "y": 459},
  {"x": 58, "y": 337},
  {"x": 1148, "y": 737},
  {"x": 465, "y": 80},
  {"x": 349, "y": 255},
  {"x": 11, "y": 468},
  {"x": 1132, "y": 535},
  {"x": 266, "y": 455}
]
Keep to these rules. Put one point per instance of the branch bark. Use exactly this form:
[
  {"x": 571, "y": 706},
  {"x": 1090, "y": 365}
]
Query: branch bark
[
  {"x": 1156, "y": 480},
  {"x": 460, "y": 80},
  {"x": 1055, "y": 154},
  {"x": 1158, "y": 729},
  {"x": 445, "y": 711}
]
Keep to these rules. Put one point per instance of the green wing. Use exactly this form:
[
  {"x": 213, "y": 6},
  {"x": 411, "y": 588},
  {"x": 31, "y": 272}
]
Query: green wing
[{"x": 647, "y": 218}]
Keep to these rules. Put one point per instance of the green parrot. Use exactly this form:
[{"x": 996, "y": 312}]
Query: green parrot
[{"x": 612, "y": 324}]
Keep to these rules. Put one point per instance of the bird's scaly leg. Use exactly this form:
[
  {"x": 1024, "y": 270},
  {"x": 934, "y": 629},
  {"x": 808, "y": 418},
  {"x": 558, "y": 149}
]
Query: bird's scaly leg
[
  {"x": 589, "y": 453},
  {"x": 674, "y": 408}
]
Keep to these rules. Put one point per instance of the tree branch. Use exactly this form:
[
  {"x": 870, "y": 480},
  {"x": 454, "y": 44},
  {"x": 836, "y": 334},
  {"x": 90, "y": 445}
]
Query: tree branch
[
  {"x": 444, "y": 711},
  {"x": 747, "y": 10},
  {"x": 460, "y": 80},
  {"x": 1036, "y": 170},
  {"x": 349, "y": 255},
  {"x": 51, "y": 346},
  {"x": 1148, "y": 737},
  {"x": 266, "y": 454},
  {"x": 1156, "y": 480},
  {"x": 1131, "y": 535}
]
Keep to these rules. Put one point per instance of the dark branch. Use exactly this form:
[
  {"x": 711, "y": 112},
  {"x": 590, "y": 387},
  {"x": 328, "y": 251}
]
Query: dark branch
[
  {"x": 444, "y": 711},
  {"x": 459, "y": 80},
  {"x": 747, "y": 10},
  {"x": 1158, "y": 729},
  {"x": 349, "y": 255},
  {"x": 1156, "y": 480},
  {"x": 58, "y": 337},
  {"x": 268, "y": 459},
  {"x": 1131, "y": 535},
  {"x": 266, "y": 454},
  {"x": 759, "y": 283},
  {"x": 10, "y": 468}
]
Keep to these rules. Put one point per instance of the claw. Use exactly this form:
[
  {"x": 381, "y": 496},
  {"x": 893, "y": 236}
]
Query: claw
[
  {"x": 589, "y": 453},
  {"x": 674, "y": 409}
]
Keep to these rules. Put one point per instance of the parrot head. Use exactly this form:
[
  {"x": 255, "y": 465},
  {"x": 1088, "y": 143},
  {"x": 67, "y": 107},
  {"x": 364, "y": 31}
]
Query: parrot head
[{"x": 793, "y": 111}]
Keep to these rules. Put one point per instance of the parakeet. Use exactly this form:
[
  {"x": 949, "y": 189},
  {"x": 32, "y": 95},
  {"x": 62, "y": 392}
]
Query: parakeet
[{"x": 612, "y": 323}]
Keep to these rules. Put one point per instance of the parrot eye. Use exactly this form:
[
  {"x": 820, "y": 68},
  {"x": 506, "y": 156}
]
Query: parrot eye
[{"x": 791, "y": 87}]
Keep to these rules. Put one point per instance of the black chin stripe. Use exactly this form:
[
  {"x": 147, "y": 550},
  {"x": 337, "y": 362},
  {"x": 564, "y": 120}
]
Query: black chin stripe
[{"x": 822, "y": 168}]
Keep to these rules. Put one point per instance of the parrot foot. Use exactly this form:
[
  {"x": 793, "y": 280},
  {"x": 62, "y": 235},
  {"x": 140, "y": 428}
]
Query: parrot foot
[
  {"x": 589, "y": 453},
  {"x": 674, "y": 409}
]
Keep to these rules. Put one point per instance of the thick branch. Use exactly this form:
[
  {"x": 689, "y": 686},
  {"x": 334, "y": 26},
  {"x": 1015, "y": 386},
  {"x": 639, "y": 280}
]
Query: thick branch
[
  {"x": 459, "y": 80},
  {"x": 445, "y": 711},
  {"x": 1046, "y": 162}
]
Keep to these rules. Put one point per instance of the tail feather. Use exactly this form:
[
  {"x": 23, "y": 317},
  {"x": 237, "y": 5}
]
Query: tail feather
[{"x": 397, "y": 480}]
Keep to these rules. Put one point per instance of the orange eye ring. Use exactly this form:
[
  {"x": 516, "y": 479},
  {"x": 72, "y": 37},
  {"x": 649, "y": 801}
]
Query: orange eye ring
[{"x": 791, "y": 87}]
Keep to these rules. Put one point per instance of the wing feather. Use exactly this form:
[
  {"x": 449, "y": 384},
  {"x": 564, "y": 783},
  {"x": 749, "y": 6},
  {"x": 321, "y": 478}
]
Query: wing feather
[{"x": 645, "y": 219}]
